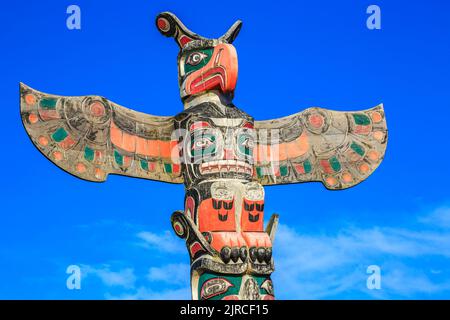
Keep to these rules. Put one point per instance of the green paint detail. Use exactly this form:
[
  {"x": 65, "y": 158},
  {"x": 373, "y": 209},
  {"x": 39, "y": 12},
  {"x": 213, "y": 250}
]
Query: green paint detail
[
  {"x": 283, "y": 171},
  {"x": 59, "y": 135},
  {"x": 48, "y": 103},
  {"x": 89, "y": 154},
  {"x": 208, "y": 142},
  {"x": 235, "y": 280},
  {"x": 167, "y": 167},
  {"x": 334, "y": 162},
  {"x": 307, "y": 166},
  {"x": 357, "y": 148},
  {"x": 361, "y": 119},
  {"x": 188, "y": 68},
  {"x": 118, "y": 158},
  {"x": 245, "y": 144},
  {"x": 259, "y": 172},
  {"x": 144, "y": 165}
]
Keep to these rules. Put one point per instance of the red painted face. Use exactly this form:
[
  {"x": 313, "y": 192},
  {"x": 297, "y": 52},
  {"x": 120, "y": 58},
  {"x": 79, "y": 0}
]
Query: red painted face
[{"x": 206, "y": 69}]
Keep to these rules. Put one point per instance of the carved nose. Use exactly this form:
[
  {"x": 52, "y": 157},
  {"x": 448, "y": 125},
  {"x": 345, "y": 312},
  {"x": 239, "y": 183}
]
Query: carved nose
[{"x": 229, "y": 154}]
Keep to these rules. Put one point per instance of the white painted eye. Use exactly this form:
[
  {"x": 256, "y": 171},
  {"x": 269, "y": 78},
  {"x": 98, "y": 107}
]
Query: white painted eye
[
  {"x": 195, "y": 58},
  {"x": 247, "y": 143},
  {"x": 202, "y": 143}
]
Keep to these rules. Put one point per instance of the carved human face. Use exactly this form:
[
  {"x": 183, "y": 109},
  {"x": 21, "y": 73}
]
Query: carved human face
[
  {"x": 218, "y": 148},
  {"x": 202, "y": 68}
]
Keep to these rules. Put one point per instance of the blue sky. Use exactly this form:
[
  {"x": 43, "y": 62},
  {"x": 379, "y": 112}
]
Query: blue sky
[{"x": 292, "y": 55}]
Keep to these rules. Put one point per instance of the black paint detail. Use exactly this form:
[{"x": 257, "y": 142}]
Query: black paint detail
[
  {"x": 227, "y": 205},
  {"x": 249, "y": 206},
  {"x": 253, "y": 218},
  {"x": 252, "y": 253},
  {"x": 243, "y": 253},
  {"x": 217, "y": 204},
  {"x": 223, "y": 217},
  {"x": 268, "y": 255},
  {"x": 261, "y": 254},
  {"x": 235, "y": 254},
  {"x": 225, "y": 254}
]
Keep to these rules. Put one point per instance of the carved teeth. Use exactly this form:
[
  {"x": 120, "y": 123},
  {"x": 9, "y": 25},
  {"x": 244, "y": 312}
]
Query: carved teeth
[
  {"x": 225, "y": 254},
  {"x": 268, "y": 255},
  {"x": 235, "y": 254},
  {"x": 252, "y": 254},
  {"x": 243, "y": 254},
  {"x": 224, "y": 166},
  {"x": 261, "y": 254}
]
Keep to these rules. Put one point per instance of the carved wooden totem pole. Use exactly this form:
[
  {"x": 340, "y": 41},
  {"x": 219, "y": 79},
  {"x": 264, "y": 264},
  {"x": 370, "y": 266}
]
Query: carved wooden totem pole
[{"x": 219, "y": 152}]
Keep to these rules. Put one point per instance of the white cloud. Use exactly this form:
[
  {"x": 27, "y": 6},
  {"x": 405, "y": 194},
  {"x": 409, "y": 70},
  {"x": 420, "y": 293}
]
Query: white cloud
[
  {"x": 144, "y": 293},
  {"x": 172, "y": 273},
  {"x": 165, "y": 241},
  {"x": 439, "y": 218},
  {"x": 123, "y": 278},
  {"x": 314, "y": 266}
]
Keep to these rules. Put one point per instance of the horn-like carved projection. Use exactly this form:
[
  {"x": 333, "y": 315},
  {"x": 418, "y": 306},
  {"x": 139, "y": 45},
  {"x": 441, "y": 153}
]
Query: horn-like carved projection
[
  {"x": 170, "y": 26},
  {"x": 233, "y": 32}
]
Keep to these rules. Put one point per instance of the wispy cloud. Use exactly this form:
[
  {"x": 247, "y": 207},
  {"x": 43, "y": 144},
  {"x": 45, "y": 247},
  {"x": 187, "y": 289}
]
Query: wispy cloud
[
  {"x": 439, "y": 218},
  {"x": 315, "y": 266},
  {"x": 144, "y": 293},
  {"x": 165, "y": 241},
  {"x": 123, "y": 278},
  {"x": 171, "y": 273},
  {"x": 414, "y": 259}
]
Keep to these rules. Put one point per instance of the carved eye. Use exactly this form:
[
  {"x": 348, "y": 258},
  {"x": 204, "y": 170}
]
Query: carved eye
[
  {"x": 195, "y": 58},
  {"x": 246, "y": 144},
  {"x": 202, "y": 143}
]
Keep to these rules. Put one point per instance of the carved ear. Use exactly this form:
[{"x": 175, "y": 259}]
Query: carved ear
[
  {"x": 233, "y": 32},
  {"x": 170, "y": 26}
]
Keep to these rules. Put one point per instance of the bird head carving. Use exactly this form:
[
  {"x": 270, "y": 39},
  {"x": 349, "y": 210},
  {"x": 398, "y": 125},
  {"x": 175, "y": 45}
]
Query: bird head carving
[{"x": 203, "y": 64}]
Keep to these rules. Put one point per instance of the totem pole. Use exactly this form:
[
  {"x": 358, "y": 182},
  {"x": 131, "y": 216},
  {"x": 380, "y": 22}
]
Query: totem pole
[{"x": 219, "y": 152}]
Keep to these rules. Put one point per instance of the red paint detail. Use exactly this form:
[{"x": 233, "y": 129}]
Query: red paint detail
[
  {"x": 268, "y": 297},
  {"x": 98, "y": 155},
  {"x": 163, "y": 24},
  {"x": 208, "y": 217},
  {"x": 177, "y": 228},
  {"x": 151, "y": 166},
  {"x": 362, "y": 129},
  {"x": 49, "y": 114},
  {"x": 316, "y": 120},
  {"x": 248, "y": 125},
  {"x": 184, "y": 40},
  {"x": 190, "y": 205},
  {"x": 199, "y": 125},
  {"x": 215, "y": 79},
  {"x": 232, "y": 297},
  {"x": 246, "y": 224},
  {"x": 196, "y": 247},
  {"x": 175, "y": 168},
  {"x": 229, "y": 154},
  {"x": 67, "y": 143},
  {"x": 277, "y": 171},
  {"x": 220, "y": 73},
  {"x": 97, "y": 109},
  {"x": 326, "y": 166},
  {"x": 299, "y": 168}
]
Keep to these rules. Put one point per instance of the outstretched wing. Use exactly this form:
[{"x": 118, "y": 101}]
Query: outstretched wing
[
  {"x": 339, "y": 149},
  {"x": 91, "y": 137}
]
